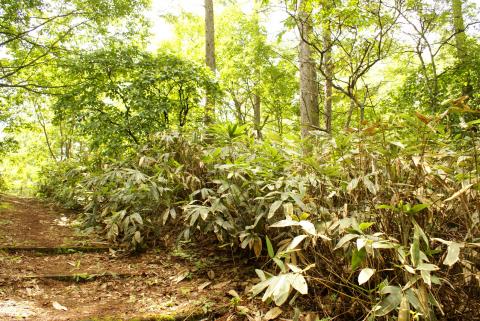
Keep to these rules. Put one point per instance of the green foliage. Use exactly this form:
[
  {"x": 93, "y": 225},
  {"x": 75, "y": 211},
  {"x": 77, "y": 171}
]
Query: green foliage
[
  {"x": 123, "y": 96},
  {"x": 376, "y": 221},
  {"x": 376, "y": 217}
]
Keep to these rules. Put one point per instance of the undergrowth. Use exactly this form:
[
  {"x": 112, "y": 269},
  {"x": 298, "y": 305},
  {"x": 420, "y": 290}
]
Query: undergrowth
[{"x": 380, "y": 221}]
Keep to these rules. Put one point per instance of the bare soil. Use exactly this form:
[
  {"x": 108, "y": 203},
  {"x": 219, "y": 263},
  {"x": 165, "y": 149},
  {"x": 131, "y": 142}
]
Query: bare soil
[{"x": 51, "y": 285}]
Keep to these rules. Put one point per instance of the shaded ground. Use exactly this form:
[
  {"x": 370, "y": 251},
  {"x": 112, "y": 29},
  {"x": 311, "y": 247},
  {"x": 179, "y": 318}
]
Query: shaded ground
[{"x": 39, "y": 282}]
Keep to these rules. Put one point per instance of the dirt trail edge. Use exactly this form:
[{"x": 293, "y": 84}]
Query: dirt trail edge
[{"x": 50, "y": 271}]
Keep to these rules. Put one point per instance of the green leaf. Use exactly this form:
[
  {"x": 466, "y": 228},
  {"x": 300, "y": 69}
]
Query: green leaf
[
  {"x": 370, "y": 186},
  {"x": 390, "y": 302},
  {"x": 270, "y": 250},
  {"x": 279, "y": 264},
  {"x": 418, "y": 207},
  {"x": 358, "y": 256},
  {"x": 365, "y": 225},
  {"x": 426, "y": 276},
  {"x": 281, "y": 291}
]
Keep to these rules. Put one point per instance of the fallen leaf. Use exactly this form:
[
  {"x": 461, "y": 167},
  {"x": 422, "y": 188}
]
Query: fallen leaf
[
  {"x": 233, "y": 293},
  {"x": 311, "y": 316},
  {"x": 211, "y": 274},
  {"x": 242, "y": 309},
  {"x": 180, "y": 277},
  {"x": 204, "y": 285},
  {"x": 221, "y": 285},
  {"x": 58, "y": 306},
  {"x": 272, "y": 314}
]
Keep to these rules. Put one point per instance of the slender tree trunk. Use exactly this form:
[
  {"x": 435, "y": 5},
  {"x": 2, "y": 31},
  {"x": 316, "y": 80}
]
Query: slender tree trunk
[
  {"x": 459, "y": 26},
  {"x": 257, "y": 116},
  {"x": 328, "y": 90},
  {"x": 238, "y": 111},
  {"x": 309, "y": 111},
  {"x": 461, "y": 43},
  {"x": 41, "y": 121},
  {"x": 350, "y": 112},
  {"x": 209, "y": 57}
]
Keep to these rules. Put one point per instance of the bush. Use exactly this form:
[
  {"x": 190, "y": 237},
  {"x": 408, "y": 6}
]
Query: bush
[{"x": 376, "y": 224}]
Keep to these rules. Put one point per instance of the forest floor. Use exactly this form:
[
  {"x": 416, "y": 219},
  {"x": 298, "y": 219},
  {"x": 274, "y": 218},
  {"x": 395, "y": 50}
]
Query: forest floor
[{"x": 49, "y": 270}]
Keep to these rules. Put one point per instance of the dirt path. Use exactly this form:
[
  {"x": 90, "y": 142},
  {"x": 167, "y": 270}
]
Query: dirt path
[{"x": 50, "y": 271}]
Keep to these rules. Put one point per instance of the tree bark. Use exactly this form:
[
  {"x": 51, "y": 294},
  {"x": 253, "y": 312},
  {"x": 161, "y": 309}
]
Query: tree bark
[
  {"x": 328, "y": 90},
  {"x": 459, "y": 26},
  {"x": 209, "y": 57},
  {"x": 257, "y": 116},
  {"x": 309, "y": 110}
]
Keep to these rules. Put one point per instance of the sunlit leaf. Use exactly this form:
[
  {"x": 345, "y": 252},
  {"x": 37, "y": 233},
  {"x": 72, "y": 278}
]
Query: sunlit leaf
[
  {"x": 296, "y": 241},
  {"x": 273, "y": 208},
  {"x": 365, "y": 275},
  {"x": 308, "y": 227},
  {"x": 453, "y": 253},
  {"x": 298, "y": 282},
  {"x": 346, "y": 238}
]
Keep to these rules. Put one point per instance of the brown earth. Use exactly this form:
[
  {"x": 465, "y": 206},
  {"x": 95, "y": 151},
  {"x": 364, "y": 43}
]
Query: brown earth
[{"x": 40, "y": 282}]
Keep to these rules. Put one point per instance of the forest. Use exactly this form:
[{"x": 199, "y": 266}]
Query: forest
[{"x": 331, "y": 148}]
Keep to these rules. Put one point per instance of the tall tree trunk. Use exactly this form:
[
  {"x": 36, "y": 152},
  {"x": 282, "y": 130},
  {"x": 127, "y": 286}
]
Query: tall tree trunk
[
  {"x": 256, "y": 115},
  {"x": 309, "y": 111},
  {"x": 209, "y": 57},
  {"x": 460, "y": 43},
  {"x": 238, "y": 111},
  {"x": 459, "y": 26},
  {"x": 328, "y": 90}
]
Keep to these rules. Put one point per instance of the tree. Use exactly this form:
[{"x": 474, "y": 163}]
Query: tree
[
  {"x": 209, "y": 57},
  {"x": 309, "y": 110},
  {"x": 260, "y": 85},
  {"x": 459, "y": 28},
  {"x": 35, "y": 32},
  {"x": 123, "y": 95},
  {"x": 329, "y": 68}
]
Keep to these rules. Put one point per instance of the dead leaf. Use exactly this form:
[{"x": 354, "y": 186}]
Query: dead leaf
[
  {"x": 460, "y": 192},
  {"x": 272, "y": 314},
  {"x": 221, "y": 285},
  {"x": 211, "y": 274},
  {"x": 311, "y": 317},
  {"x": 58, "y": 306},
  {"x": 204, "y": 285},
  {"x": 233, "y": 293},
  {"x": 242, "y": 309},
  {"x": 180, "y": 277}
]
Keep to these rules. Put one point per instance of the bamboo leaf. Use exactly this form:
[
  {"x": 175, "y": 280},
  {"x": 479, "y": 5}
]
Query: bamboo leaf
[
  {"x": 273, "y": 208},
  {"x": 270, "y": 250},
  {"x": 453, "y": 254},
  {"x": 365, "y": 275},
  {"x": 345, "y": 239},
  {"x": 296, "y": 241},
  {"x": 297, "y": 281}
]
